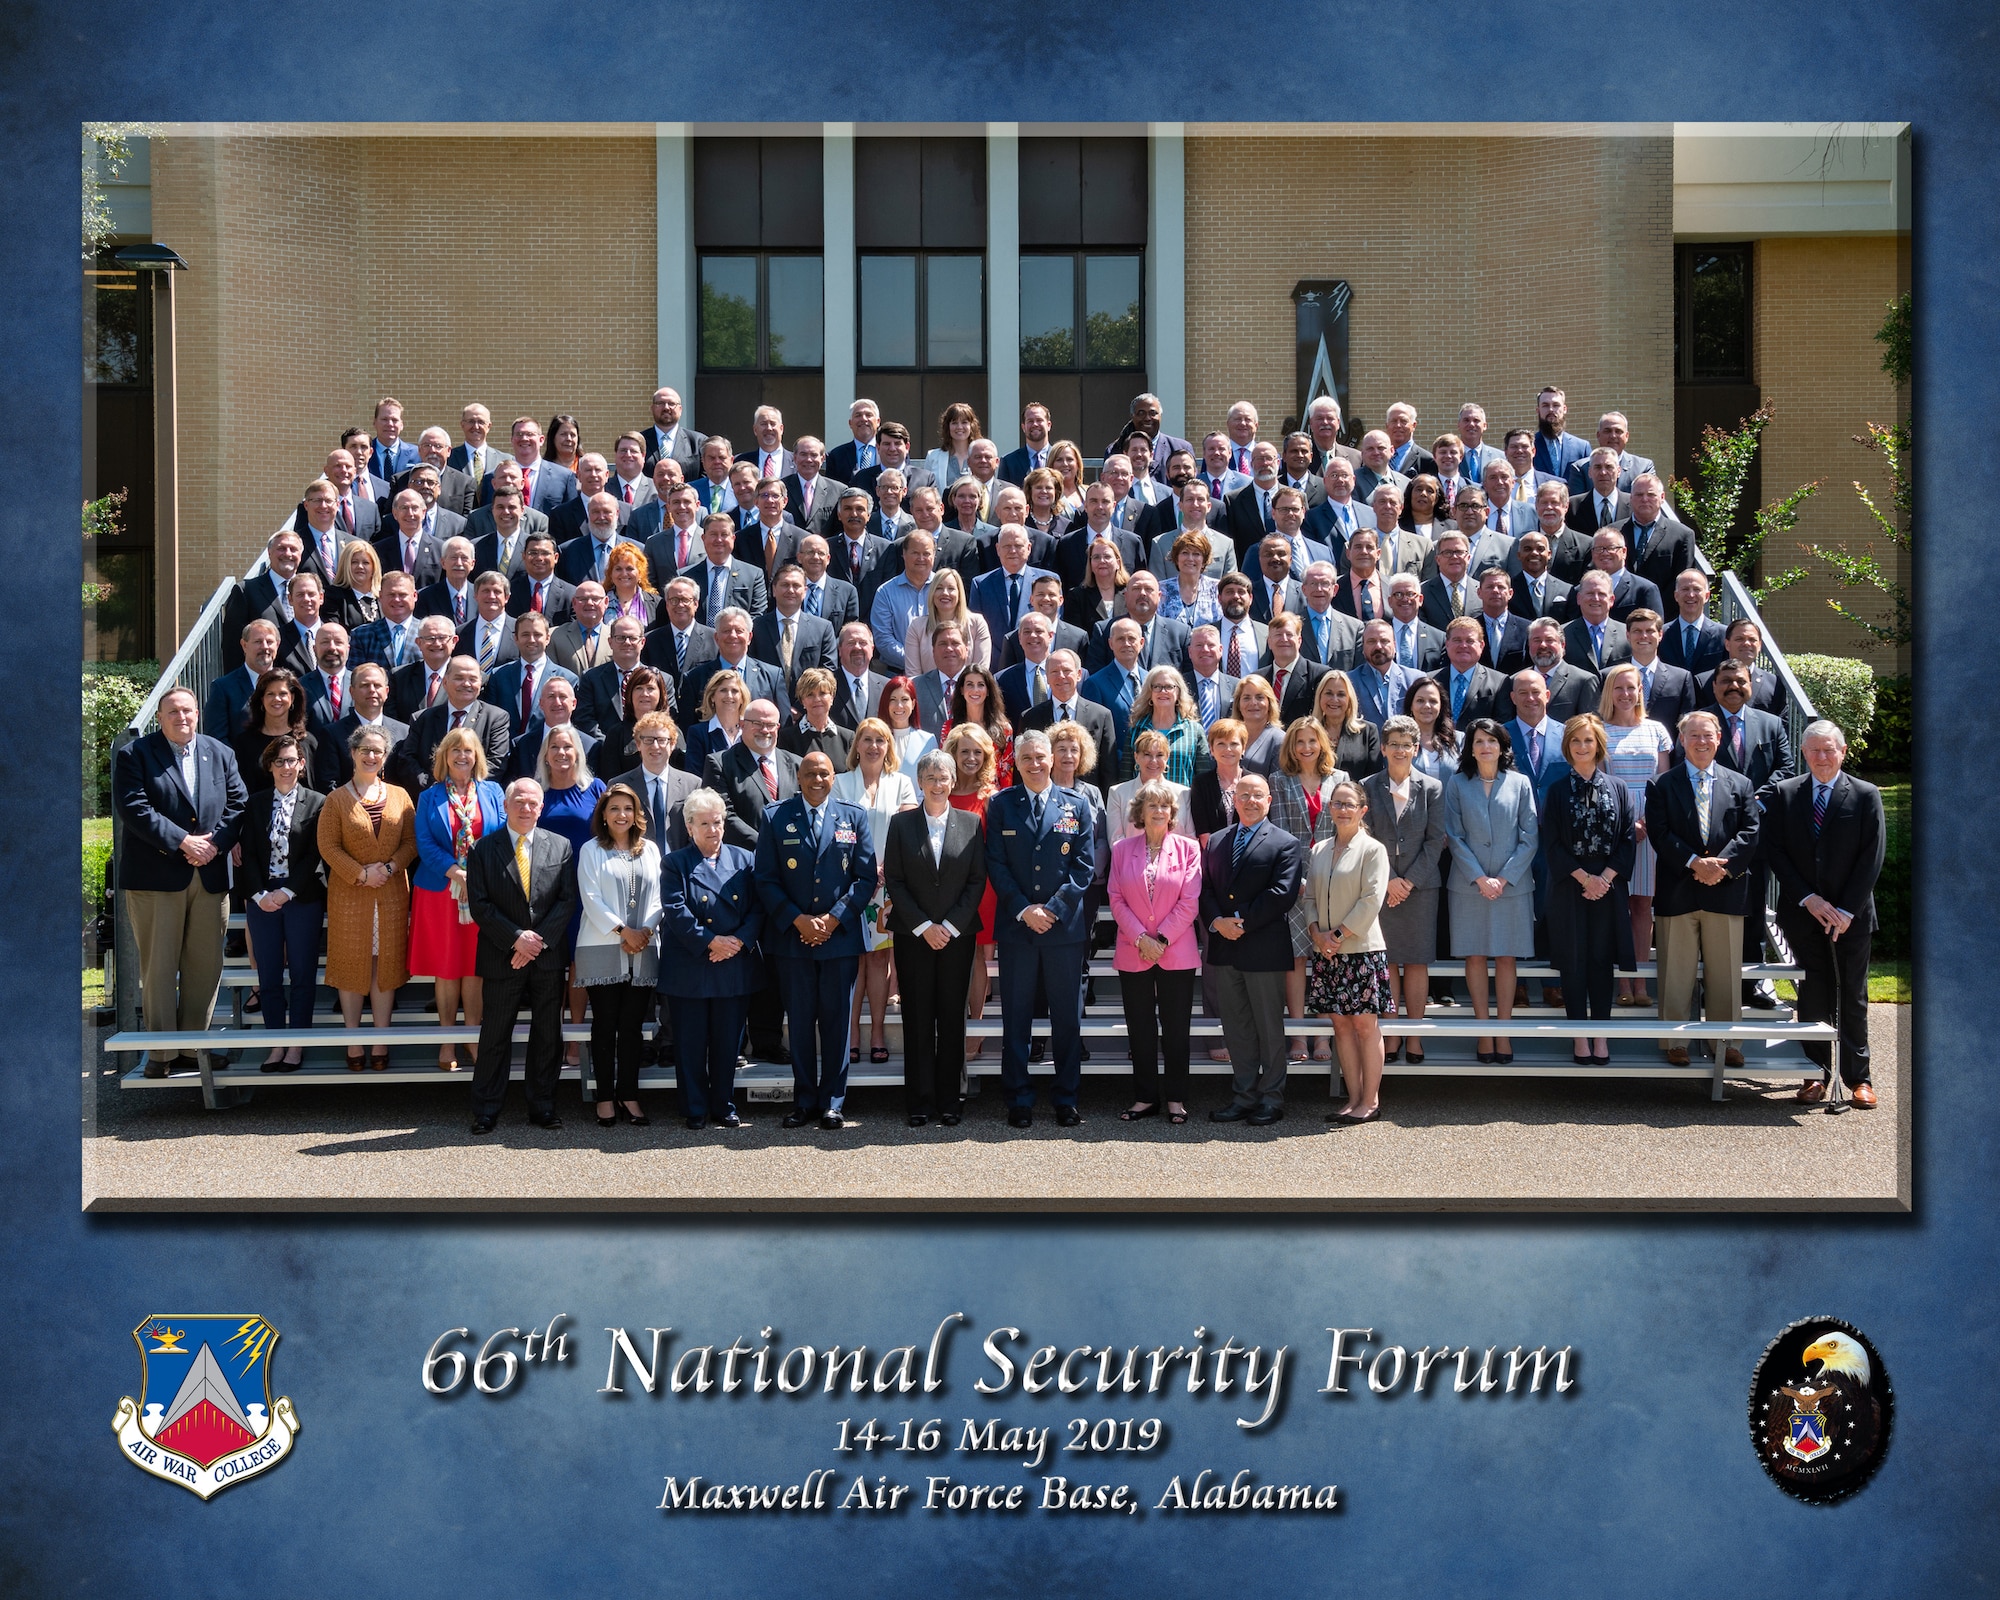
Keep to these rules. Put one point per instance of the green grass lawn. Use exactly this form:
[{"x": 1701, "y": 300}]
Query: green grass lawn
[{"x": 96, "y": 851}]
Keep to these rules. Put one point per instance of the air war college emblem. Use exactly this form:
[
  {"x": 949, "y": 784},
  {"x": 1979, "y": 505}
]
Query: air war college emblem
[
  {"x": 1820, "y": 1409},
  {"x": 205, "y": 1418}
]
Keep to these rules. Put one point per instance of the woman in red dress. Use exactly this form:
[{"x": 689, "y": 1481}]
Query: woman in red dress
[{"x": 971, "y": 751}]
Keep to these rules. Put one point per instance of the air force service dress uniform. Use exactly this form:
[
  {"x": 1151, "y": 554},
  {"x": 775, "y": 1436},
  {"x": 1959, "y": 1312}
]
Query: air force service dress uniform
[
  {"x": 1040, "y": 852},
  {"x": 816, "y": 867},
  {"x": 707, "y": 1001}
]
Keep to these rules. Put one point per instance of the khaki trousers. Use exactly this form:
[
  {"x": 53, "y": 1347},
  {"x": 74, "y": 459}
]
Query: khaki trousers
[
  {"x": 1713, "y": 940},
  {"x": 179, "y": 933}
]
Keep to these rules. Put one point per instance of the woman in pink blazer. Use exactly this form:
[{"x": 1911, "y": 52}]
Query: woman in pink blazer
[{"x": 1155, "y": 888}]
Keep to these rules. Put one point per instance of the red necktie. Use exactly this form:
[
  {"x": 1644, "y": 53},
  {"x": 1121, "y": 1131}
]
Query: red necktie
[
  {"x": 681, "y": 559},
  {"x": 770, "y": 778},
  {"x": 430, "y": 695},
  {"x": 527, "y": 691},
  {"x": 1235, "y": 654},
  {"x": 628, "y": 494},
  {"x": 538, "y": 595},
  {"x": 334, "y": 686},
  {"x": 347, "y": 513},
  {"x": 1279, "y": 686}
]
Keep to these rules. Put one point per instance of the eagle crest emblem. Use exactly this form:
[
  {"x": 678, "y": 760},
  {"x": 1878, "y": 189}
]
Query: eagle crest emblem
[{"x": 1820, "y": 1407}]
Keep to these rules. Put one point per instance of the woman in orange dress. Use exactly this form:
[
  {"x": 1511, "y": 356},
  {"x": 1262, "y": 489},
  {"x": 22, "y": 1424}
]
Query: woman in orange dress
[{"x": 368, "y": 838}]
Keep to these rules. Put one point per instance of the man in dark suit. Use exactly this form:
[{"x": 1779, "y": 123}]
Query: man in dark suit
[
  {"x": 180, "y": 798},
  {"x": 368, "y": 691},
  {"x": 482, "y": 526},
  {"x": 752, "y": 775},
  {"x": 1167, "y": 518},
  {"x": 1504, "y": 636},
  {"x": 1066, "y": 704},
  {"x": 1212, "y": 689},
  {"x": 1554, "y": 448},
  {"x": 1045, "y": 596},
  {"x": 1294, "y": 678},
  {"x": 359, "y": 497},
  {"x": 1145, "y": 420},
  {"x": 649, "y": 514},
  {"x": 1116, "y": 685},
  {"x": 1419, "y": 646},
  {"x": 297, "y": 651},
  {"x": 768, "y": 455},
  {"x": 677, "y": 644},
  {"x": 1572, "y": 690},
  {"x": 1454, "y": 590},
  {"x": 556, "y": 709},
  {"x": 515, "y": 686},
  {"x": 460, "y": 707},
  {"x": 1470, "y": 689},
  {"x": 1072, "y": 551},
  {"x": 451, "y": 596},
  {"x": 419, "y": 683},
  {"x": 1323, "y": 424},
  {"x": 388, "y": 453},
  {"x": 669, "y": 436},
  {"x": 262, "y": 595},
  {"x": 1538, "y": 592},
  {"x": 732, "y": 654},
  {"x": 520, "y": 886},
  {"x": 857, "y": 692},
  {"x": 1669, "y": 691},
  {"x": 1272, "y": 587},
  {"x": 1596, "y": 497},
  {"x": 1039, "y": 859},
  {"x": 230, "y": 693},
  {"x": 1755, "y": 744},
  {"x": 1405, "y": 454},
  {"x": 1015, "y": 465},
  {"x": 770, "y": 538},
  {"x": 536, "y": 587},
  {"x": 1613, "y": 435},
  {"x": 600, "y": 692},
  {"x": 675, "y": 544},
  {"x": 1629, "y": 592},
  {"x": 810, "y": 493},
  {"x": 662, "y": 788},
  {"x": 1246, "y": 512},
  {"x": 1824, "y": 835},
  {"x": 720, "y": 577},
  {"x": 1163, "y": 640},
  {"x": 477, "y": 455},
  {"x": 1006, "y": 594},
  {"x": 1701, "y": 819},
  {"x": 454, "y": 491},
  {"x": 857, "y": 454},
  {"x": 1251, "y": 874},
  {"x": 585, "y": 554},
  {"x": 787, "y": 638},
  {"x": 544, "y": 484},
  {"x": 1742, "y": 640},
  {"x": 408, "y": 545},
  {"x": 831, "y": 599},
  {"x": 815, "y": 872},
  {"x": 853, "y": 553},
  {"x": 1692, "y": 641},
  {"x": 1593, "y": 640}
]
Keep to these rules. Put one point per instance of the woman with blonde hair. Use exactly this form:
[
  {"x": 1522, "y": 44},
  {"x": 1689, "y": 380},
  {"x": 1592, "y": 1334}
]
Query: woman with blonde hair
[
  {"x": 947, "y": 602},
  {"x": 1637, "y": 750},
  {"x": 1348, "y": 980},
  {"x": 1101, "y": 595},
  {"x": 1256, "y": 708},
  {"x": 367, "y": 838},
  {"x": 1149, "y": 756},
  {"x": 1044, "y": 490},
  {"x": 1066, "y": 462},
  {"x": 1165, "y": 707},
  {"x": 723, "y": 700},
  {"x": 355, "y": 597},
  {"x": 459, "y": 808},
  {"x": 1356, "y": 746},
  {"x": 1590, "y": 837},
  {"x": 966, "y": 502},
  {"x": 627, "y": 589},
  {"x": 875, "y": 782},
  {"x": 1300, "y": 787},
  {"x": 971, "y": 750},
  {"x": 569, "y": 801}
]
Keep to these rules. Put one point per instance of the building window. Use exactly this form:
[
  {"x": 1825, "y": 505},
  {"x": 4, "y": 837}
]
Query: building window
[
  {"x": 762, "y": 312},
  {"x": 923, "y": 312},
  {"x": 1108, "y": 336},
  {"x": 1712, "y": 313},
  {"x": 117, "y": 324}
]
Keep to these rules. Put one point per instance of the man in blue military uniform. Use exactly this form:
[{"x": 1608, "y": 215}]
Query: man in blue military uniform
[
  {"x": 1039, "y": 862},
  {"x": 816, "y": 871}
]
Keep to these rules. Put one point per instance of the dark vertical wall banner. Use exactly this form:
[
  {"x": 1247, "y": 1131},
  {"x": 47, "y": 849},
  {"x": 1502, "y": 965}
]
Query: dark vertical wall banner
[
  {"x": 1322, "y": 309},
  {"x": 1507, "y": 1403}
]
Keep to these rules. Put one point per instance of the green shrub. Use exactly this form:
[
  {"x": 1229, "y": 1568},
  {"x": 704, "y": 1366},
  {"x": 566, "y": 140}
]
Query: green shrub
[
  {"x": 1842, "y": 691},
  {"x": 1890, "y": 736},
  {"x": 96, "y": 855},
  {"x": 1892, "y": 890},
  {"x": 113, "y": 692}
]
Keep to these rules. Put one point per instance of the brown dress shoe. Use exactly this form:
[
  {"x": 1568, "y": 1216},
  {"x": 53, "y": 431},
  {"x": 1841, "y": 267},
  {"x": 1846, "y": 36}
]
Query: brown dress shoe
[
  {"x": 1677, "y": 1055},
  {"x": 1732, "y": 1057},
  {"x": 1863, "y": 1095},
  {"x": 1812, "y": 1091}
]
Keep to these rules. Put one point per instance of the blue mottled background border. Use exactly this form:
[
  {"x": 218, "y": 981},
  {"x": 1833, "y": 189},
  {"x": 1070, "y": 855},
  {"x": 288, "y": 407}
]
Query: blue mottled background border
[{"x": 1641, "y": 1483}]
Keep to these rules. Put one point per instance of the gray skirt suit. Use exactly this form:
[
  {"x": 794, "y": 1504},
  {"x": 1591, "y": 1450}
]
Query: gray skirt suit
[
  {"x": 1492, "y": 836},
  {"x": 1415, "y": 842}
]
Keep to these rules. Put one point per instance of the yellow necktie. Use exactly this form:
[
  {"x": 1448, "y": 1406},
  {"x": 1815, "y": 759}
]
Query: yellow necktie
[{"x": 521, "y": 864}]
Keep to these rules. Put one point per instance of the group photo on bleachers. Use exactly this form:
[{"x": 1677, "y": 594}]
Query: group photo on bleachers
[{"x": 1335, "y": 729}]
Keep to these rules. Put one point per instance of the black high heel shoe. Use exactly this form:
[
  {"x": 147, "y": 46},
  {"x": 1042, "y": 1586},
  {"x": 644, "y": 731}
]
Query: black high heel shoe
[
  {"x": 610, "y": 1121},
  {"x": 638, "y": 1119}
]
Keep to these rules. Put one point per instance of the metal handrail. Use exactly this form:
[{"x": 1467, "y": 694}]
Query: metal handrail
[{"x": 1733, "y": 601}]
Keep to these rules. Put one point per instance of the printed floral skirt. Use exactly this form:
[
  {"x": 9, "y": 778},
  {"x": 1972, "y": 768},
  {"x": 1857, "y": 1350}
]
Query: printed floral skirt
[{"x": 1349, "y": 986}]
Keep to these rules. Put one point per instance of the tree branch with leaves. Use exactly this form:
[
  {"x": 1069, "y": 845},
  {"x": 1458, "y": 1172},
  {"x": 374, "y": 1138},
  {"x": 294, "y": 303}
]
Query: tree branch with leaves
[{"x": 1712, "y": 503}]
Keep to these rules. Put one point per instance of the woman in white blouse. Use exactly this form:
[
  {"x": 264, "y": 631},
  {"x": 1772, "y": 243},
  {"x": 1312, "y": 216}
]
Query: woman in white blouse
[
  {"x": 899, "y": 710},
  {"x": 617, "y": 956},
  {"x": 945, "y": 603},
  {"x": 873, "y": 782},
  {"x": 957, "y": 428}
]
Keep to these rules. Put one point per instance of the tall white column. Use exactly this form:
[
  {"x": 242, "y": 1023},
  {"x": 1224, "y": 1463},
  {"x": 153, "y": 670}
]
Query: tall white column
[
  {"x": 1166, "y": 272},
  {"x": 1003, "y": 284},
  {"x": 673, "y": 180},
  {"x": 837, "y": 153}
]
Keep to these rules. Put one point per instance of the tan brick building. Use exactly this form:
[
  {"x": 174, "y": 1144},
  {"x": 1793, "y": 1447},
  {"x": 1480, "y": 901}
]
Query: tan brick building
[{"x": 544, "y": 269}]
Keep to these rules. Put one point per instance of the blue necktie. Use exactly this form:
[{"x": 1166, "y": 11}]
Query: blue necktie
[
  {"x": 812, "y": 600},
  {"x": 812, "y": 830},
  {"x": 1460, "y": 682},
  {"x": 1820, "y": 793},
  {"x": 1242, "y": 843}
]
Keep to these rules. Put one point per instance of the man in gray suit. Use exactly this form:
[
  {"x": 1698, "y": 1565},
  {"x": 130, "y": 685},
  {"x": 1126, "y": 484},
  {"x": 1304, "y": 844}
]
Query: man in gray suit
[
  {"x": 934, "y": 688},
  {"x": 1614, "y": 433},
  {"x": 1507, "y": 511},
  {"x": 1376, "y": 448}
]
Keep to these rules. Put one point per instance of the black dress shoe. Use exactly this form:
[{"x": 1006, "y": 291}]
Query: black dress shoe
[
  {"x": 281, "y": 1066},
  {"x": 1068, "y": 1117},
  {"x": 799, "y": 1119},
  {"x": 1230, "y": 1113},
  {"x": 947, "y": 1119},
  {"x": 482, "y": 1124},
  {"x": 730, "y": 1121},
  {"x": 832, "y": 1121},
  {"x": 1020, "y": 1117},
  {"x": 545, "y": 1119},
  {"x": 696, "y": 1124},
  {"x": 1760, "y": 996},
  {"x": 1264, "y": 1116},
  {"x": 917, "y": 1119},
  {"x": 1083, "y": 1052},
  {"x": 158, "y": 1069},
  {"x": 1037, "y": 1049}
]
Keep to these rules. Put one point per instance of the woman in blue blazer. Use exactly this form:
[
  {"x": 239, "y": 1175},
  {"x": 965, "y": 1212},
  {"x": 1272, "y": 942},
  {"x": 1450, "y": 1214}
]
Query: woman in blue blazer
[
  {"x": 454, "y": 813},
  {"x": 1489, "y": 817},
  {"x": 710, "y": 967}
]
